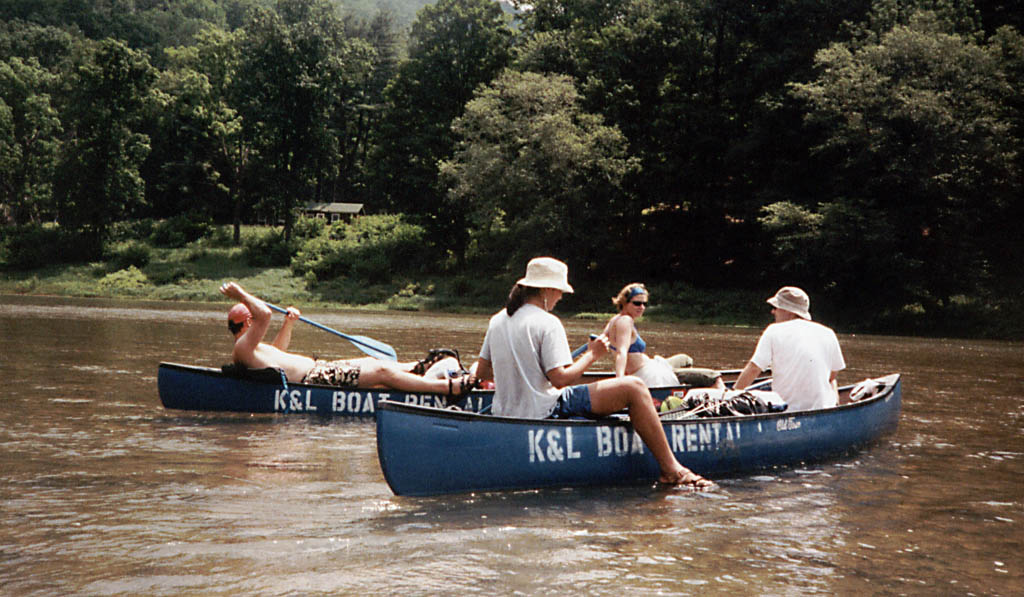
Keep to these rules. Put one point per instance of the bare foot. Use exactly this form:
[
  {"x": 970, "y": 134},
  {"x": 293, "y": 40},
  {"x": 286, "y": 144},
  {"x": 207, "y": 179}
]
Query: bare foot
[{"x": 684, "y": 477}]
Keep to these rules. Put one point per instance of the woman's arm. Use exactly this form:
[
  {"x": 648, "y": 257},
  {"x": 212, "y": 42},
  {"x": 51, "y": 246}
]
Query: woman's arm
[
  {"x": 567, "y": 375},
  {"x": 620, "y": 332}
]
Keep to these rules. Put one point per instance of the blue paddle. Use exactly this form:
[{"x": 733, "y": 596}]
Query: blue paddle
[
  {"x": 374, "y": 348},
  {"x": 583, "y": 347}
]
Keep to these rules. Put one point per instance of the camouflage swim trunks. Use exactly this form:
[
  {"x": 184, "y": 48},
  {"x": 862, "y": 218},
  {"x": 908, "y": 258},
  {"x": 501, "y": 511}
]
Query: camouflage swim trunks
[{"x": 333, "y": 373}]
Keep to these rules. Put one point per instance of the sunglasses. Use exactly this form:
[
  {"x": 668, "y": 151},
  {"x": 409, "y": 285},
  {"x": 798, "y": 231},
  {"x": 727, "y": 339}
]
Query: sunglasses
[{"x": 639, "y": 303}]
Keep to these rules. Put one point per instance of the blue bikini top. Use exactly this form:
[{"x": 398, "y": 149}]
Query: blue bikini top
[{"x": 638, "y": 346}]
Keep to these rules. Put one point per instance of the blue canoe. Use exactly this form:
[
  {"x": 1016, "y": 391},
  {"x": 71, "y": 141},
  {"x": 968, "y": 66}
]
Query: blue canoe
[
  {"x": 190, "y": 387},
  {"x": 429, "y": 451}
]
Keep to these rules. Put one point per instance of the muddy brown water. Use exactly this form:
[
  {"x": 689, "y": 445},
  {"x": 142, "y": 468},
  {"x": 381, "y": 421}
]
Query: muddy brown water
[{"x": 104, "y": 492}]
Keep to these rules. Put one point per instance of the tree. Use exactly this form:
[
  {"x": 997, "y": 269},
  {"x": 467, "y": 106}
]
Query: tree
[
  {"x": 29, "y": 139},
  {"x": 296, "y": 81},
  {"x": 698, "y": 89},
  {"x": 922, "y": 167},
  {"x": 454, "y": 46},
  {"x": 537, "y": 174},
  {"x": 200, "y": 156},
  {"x": 100, "y": 180}
]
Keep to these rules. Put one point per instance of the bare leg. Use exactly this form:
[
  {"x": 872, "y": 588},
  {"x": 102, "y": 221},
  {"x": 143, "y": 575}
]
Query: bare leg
[
  {"x": 612, "y": 395},
  {"x": 366, "y": 363},
  {"x": 440, "y": 369},
  {"x": 380, "y": 374}
]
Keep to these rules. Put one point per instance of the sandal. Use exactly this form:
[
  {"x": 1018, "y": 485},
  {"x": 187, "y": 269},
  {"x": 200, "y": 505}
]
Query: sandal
[
  {"x": 692, "y": 481},
  {"x": 467, "y": 383},
  {"x": 434, "y": 355}
]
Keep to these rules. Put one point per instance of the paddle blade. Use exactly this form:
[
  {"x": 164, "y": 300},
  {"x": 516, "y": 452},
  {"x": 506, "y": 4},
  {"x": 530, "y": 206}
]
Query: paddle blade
[{"x": 374, "y": 348}]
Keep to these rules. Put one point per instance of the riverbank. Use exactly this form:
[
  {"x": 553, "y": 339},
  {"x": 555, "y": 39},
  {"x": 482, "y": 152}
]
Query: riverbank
[{"x": 195, "y": 271}]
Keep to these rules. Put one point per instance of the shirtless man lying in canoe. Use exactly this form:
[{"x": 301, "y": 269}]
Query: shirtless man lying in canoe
[{"x": 249, "y": 321}]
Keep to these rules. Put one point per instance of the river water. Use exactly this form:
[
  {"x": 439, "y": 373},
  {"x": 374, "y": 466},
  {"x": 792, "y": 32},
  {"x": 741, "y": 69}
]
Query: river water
[{"x": 104, "y": 492}]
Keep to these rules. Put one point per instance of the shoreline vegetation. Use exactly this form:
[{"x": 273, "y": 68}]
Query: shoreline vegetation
[
  {"x": 867, "y": 152},
  {"x": 140, "y": 269}
]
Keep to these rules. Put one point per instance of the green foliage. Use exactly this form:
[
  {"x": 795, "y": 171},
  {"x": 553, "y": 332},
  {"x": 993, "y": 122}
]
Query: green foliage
[
  {"x": 795, "y": 228},
  {"x": 912, "y": 134},
  {"x": 371, "y": 248},
  {"x": 127, "y": 281},
  {"x": 201, "y": 158},
  {"x": 412, "y": 297},
  {"x": 30, "y": 130},
  {"x": 536, "y": 173},
  {"x": 698, "y": 89},
  {"x": 306, "y": 227},
  {"x": 132, "y": 254},
  {"x": 297, "y": 91},
  {"x": 269, "y": 248},
  {"x": 141, "y": 229},
  {"x": 31, "y": 246},
  {"x": 455, "y": 46},
  {"x": 178, "y": 231},
  {"x": 100, "y": 180},
  {"x": 836, "y": 144}
]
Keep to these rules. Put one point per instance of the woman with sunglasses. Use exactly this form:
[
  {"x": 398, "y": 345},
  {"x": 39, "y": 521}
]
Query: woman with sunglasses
[{"x": 629, "y": 347}]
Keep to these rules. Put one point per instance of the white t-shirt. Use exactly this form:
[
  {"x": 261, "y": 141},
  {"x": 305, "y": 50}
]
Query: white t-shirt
[
  {"x": 522, "y": 349},
  {"x": 802, "y": 355}
]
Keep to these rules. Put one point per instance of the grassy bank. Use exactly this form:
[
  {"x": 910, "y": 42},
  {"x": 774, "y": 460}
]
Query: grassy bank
[{"x": 138, "y": 267}]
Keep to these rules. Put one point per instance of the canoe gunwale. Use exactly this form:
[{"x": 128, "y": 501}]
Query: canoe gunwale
[
  {"x": 188, "y": 387},
  {"x": 623, "y": 420}
]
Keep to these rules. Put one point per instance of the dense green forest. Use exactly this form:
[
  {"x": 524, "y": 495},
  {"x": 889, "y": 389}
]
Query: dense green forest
[{"x": 867, "y": 150}]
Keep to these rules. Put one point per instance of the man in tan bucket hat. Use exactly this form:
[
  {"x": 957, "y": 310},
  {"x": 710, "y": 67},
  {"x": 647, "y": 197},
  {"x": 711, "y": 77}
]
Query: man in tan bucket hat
[{"x": 804, "y": 356}]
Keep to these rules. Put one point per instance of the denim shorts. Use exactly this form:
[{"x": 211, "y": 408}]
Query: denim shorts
[{"x": 573, "y": 404}]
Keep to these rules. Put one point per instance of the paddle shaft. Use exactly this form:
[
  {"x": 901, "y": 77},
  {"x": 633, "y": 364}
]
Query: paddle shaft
[
  {"x": 372, "y": 347},
  {"x": 583, "y": 348}
]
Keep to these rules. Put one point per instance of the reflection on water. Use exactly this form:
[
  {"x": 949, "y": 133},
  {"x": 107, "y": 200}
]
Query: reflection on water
[{"x": 104, "y": 492}]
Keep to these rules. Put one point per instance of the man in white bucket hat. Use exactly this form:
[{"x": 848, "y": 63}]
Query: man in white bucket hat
[
  {"x": 804, "y": 356},
  {"x": 527, "y": 354}
]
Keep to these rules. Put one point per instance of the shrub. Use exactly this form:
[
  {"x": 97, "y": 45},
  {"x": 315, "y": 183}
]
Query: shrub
[
  {"x": 222, "y": 236},
  {"x": 371, "y": 248},
  {"x": 33, "y": 246},
  {"x": 306, "y": 227},
  {"x": 132, "y": 254},
  {"x": 268, "y": 249},
  {"x": 131, "y": 230},
  {"x": 125, "y": 281},
  {"x": 178, "y": 231}
]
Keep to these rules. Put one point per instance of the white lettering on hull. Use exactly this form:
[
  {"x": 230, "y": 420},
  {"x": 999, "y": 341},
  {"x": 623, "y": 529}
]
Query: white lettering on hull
[
  {"x": 787, "y": 424},
  {"x": 356, "y": 402},
  {"x": 702, "y": 437},
  {"x": 554, "y": 445},
  {"x": 550, "y": 445},
  {"x": 294, "y": 401}
]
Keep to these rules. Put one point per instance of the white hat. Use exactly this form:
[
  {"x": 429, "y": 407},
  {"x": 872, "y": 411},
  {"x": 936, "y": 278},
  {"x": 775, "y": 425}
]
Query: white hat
[
  {"x": 546, "y": 272},
  {"x": 792, "y": 299}
]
